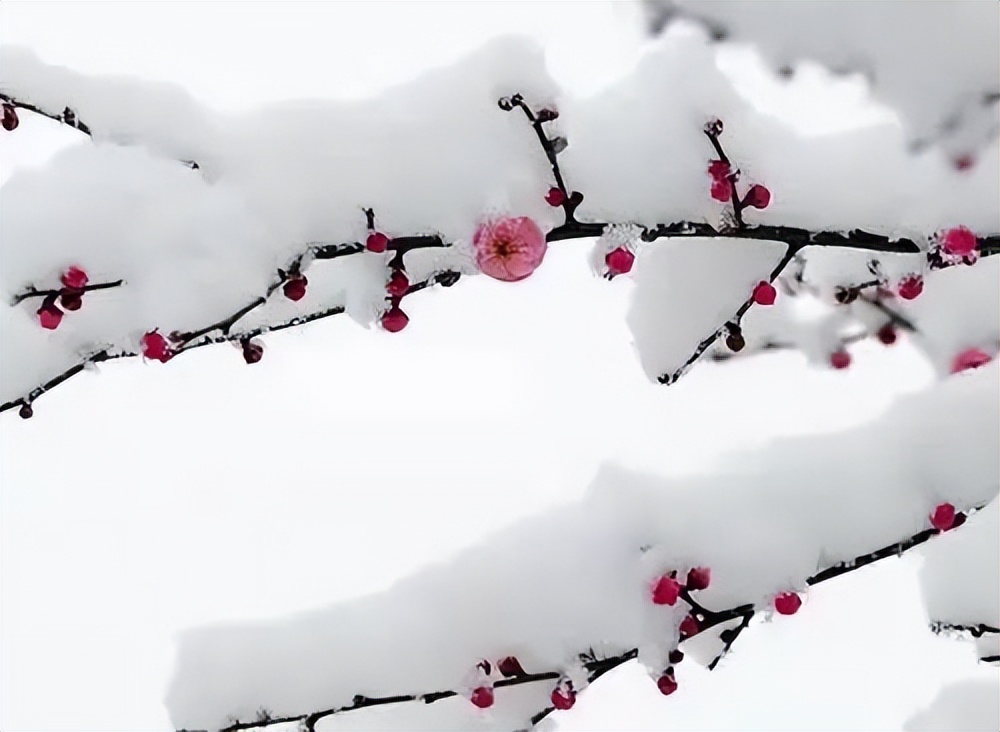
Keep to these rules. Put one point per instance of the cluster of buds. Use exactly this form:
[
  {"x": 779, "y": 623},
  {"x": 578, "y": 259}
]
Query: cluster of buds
[
  {"x": 724, "y": 177},
  {"x": 70, "y": 296}
]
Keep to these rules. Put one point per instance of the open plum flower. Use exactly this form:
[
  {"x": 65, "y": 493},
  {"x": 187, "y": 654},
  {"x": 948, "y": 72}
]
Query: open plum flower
[{"x": 509, "y": 249}]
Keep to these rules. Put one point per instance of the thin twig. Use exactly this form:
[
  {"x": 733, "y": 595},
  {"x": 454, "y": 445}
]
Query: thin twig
[{"x": 32, "y": 292}]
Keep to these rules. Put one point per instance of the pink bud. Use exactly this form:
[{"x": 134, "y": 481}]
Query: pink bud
[
  {"x": 10, "y": 120},
  {"x": 394, "y": 319},
  {"x": 688, "y": 626},
  {"x": 699, "y": 578},
  {"x": 971, "y": 358},
  {"x": 619, "y": 261},
  {"x": 718, "y": 169},
  {"x": 49, "y": 315},
  {"x": 482, "y": 697},
  {"x": 252, "y": 351},
  {"x": 667, "y": 684},
  {"x": 666, "y": 591},
  {"x": 840, "y": 359},
  {"x": 71, "y": 299},
  {"x": 758, "y": 197},
  {"x": 74, "y": 278},
  {"x": 555, "y": 197},
  {"x": 295, "y": 287},
  {"x": 943, "y": 517},
  {"x": 155, "y": 347},
  {"x": 911, "y": 286},
  {"x": 721, "y": 190},
  {"x": 398, "y": 284},
  {"x": 764, "y": 293},
  {"x": 377, "y": 242},
  {"x": 964, "y": 162},
  {"x": 787, "y": 603},
  {"x": 510, "y": 666},
  {"x": 959, "y": 241},
  {"x": 563, "y": 698},
  {"x": 887, "y": 334}
]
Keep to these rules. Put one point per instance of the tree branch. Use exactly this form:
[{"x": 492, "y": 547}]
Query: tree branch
[
  {"x": 31, "y": 292},
  {"x": 708, "y": 619},
  {"x": 795, "y": 239}
]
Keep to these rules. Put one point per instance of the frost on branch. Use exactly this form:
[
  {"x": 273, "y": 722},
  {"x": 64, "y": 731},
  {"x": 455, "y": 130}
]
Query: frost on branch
[{"x": 772, "y": 523}]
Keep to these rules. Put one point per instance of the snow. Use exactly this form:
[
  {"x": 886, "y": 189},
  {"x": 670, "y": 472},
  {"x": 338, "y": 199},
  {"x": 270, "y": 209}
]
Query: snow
[
  {"x": 960, "y": 571},
  {"x": 935, "y": 63},
  {"x": 970, "y": 705},
  {"x": 517, "y": 593},
  {"x": 432, "y": 156},
  {"x": 688, "y": 289}
]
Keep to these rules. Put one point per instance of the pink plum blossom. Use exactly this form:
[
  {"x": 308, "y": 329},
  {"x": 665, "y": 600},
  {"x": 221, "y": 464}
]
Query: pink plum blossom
[{"x": 509, "y": 249}]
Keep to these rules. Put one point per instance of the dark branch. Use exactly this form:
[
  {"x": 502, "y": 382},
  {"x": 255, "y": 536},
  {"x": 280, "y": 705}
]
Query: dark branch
[
  {"x": 32, "y": 292},
  {"x": 68, "y": 117},
  {"x": 712, "y": 133},
  {"x": 708, "y": 619}
]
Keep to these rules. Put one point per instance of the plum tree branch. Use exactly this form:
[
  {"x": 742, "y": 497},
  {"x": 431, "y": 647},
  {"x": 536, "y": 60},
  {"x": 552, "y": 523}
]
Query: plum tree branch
[
  {"x": 597, "y": 667},
  {"x": 795, "y": 239}
]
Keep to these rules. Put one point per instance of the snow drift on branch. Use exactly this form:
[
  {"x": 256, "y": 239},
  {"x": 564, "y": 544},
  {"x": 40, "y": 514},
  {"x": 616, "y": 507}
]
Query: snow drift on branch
[
  {"x": 575, "y": 577},
  {"x": 933, "y": 62}
]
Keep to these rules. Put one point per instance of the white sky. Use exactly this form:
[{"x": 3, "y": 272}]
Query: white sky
[{"x": 153, "y": 499}]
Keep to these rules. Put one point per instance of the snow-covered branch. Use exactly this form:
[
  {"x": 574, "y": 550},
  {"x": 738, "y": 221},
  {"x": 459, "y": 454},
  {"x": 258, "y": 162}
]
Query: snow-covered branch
[
  {"x": 292, "y": 280},
  {"x": 804, "y": 513},
  {"x": 704, "y": 620}
]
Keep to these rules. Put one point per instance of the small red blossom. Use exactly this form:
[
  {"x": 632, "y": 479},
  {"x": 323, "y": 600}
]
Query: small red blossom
[
  {"x": 510, "y": 666},
  {"x": 10, "y": 120},
  {"x": 840, "y": 359},
  {"x": 721, "y": 190},
  {"x": 398, "y": 284},
  {"x": 74, "y": 278},
  {"x": 667, "y": 684},
  {"x": 563, "y": 699},
  {"x": 253, "y": 351},
  {"x": 959, "y": 241},
  {"x": 619, "y": 261},
  {"x": 943, "y": 517},
  {"x": 394, "y": 319},
  {"x": 699, "y": 578},
  {"x": 71, "y": 299},
  {"x": 911, "y": 286},
  {"x": 377, "y": 242},
  {"x": 155, "y": 347},
  {"x": 787, "y": 603},
  {"x": 666, "y": 591},
  {"x": 757, "y": 197},
  {"x": 764, "y": 293},
  {"x": 482, "y": 697},
  {"x": 49, "y": 314},
  {"x": 688, "y": 626},
  {"x": 971, "y": 358},
  {"x": 719, "y": 169},
  {"x": 295, "y": 287},
  {"x": 887, "y": 334},
  {"x": 555, "y": 197}
]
